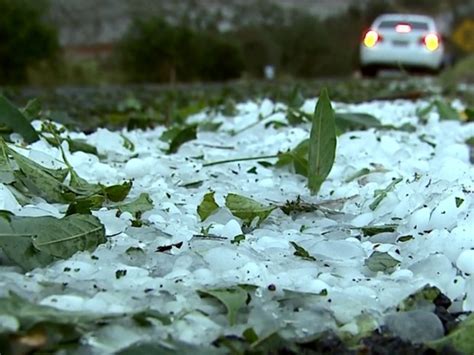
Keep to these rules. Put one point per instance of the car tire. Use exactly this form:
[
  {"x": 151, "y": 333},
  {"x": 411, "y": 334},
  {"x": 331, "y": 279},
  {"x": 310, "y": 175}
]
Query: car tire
[{"x": 369, "y": 71}]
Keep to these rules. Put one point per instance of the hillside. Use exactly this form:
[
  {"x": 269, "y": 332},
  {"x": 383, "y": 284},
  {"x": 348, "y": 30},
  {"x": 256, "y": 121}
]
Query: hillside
[{"x": 90, "y": 22}]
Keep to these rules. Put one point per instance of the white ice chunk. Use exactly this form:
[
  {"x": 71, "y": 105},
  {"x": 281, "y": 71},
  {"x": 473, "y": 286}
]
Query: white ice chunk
[
  {"x": 65, "y": 302},
  {"x": 419, "y": 219},
  {"x": 223, "y": 258},
  {"x": 465, "y": 261},
  {"x": 7, "y": 200},
  {"x": 445, "y": 214},
  {"x": 468, "y": 304},
  {"x": 231, "y": 229}
]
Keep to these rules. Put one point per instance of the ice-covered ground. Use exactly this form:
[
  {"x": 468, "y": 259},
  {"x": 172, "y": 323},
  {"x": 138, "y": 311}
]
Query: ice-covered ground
[{"x": 430, "y": 208}]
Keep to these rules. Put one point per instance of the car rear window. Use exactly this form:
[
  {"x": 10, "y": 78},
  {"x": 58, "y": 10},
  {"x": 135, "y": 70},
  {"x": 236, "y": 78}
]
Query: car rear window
[{"x": 415, "y": 25}]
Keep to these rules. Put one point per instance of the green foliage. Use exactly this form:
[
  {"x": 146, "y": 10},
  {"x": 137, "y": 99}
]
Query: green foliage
[
  {"x": 381, "y": 194},
  {"x": 302, "y": 252},
  {"x": 381, "y": 261},
  {"x": 419, "y": 299},
  {"x": 16, "y": 121},
  {"x": 356, "y": 121},
  {"x": 247, "y": 210},
  {"x": 460, "y": 338},
  {"x": 24, "y": 39},
  {"x": 446, "y": 111},
  {"x": 370, "y": 231},
  {"x": 31, "y": 179},
  {"x": 297, "y": 158},
  {"x": 155, "y": 51},
  {"x": 178, "y": 135},
  {"x": 33, "y": 242},
  {"x": 207, "y": 207},
  {"x": 322, "y": 143},
  {"x": 136, "y": 207},
  {"x": 233, "y": 298}
]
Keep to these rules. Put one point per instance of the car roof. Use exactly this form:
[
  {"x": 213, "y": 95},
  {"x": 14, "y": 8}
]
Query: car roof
[{"x": 405, "y": 17}]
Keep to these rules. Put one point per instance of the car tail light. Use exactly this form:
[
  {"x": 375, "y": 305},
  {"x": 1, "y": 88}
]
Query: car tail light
[
  {"x": 371, "y": 38},
  {"x": 431, "y": 41},
  {"x": 403, "y": 28}
]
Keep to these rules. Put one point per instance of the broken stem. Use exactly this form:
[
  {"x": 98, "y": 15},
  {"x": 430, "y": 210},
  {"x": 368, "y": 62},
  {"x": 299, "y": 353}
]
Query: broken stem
[{"x": 218, "y": 162}]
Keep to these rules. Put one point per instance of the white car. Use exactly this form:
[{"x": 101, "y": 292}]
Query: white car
[{"x": 401, "y": 41}]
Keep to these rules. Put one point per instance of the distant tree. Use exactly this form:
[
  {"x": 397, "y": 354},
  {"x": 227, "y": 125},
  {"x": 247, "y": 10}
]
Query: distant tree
[
  {"x": 156, "y": 51},
  {"x": 24, "y": 38},
  {"x": 259, "y": 48},
  {"x": 221, "y": 58}
]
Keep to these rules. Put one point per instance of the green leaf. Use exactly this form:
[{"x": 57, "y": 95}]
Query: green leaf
[
  {"x": 296, "y": 117},
  {"x": 36, "y": 241},
  {"x": 381, "y": 194},
  {"x": 419, "y": 299},
  {"x": 250, "y": 335},
  {"x": 25, "y": 163},
  {"x": 322, "y": 143},
  {"x": 127, "y": 143},
  {"x": 76, "y": 145},
  {"x": 355, "y": 121},
  {"x": 405, "y": 238},
  {"x": 298, "y": 296},
  {"x": 32, "y": 109},
  {"x": 381, "y": 261},
  {"x": 7, "y": 174},
  {"x": 370, "y": 231},
  {"x": 117, "y": 193},
  {"x": 207, "y": 206},
  {"x": 233, "y": 298},
  {"x": 143, "y": 318},
  {"x": 298, "y": 206},
  {"x": 19, "y": 196},
  {"x": 469, "y": 114},
  {"x": 301, "y": 252},
  {"x": 358, "y": 174},
  {"x": 247, "y": 209},
  {"x": 459, "y": 201},
  {"x": 470, "y": 142},
  {"x": 423, "y": 112},
  {"x": 446, "y": 111},
  {"x": 11, "y": 117},
  {"x": 296, "y": 98},
  {"x": 39, "y": 180},
  {"x": 120, "y": 273},
  {"x": 87, "y": 191},
  {"x": 136, "y": 207},
  {"x": 64, "y": 237},
  {"x": 209, "y": 126},
  {"x": 170, "y": 134},
  {"x": 20, "y": 249},
  {"x": 238, "y": 239},
  {"x": 177, "y": 136},
  {"x": 252, "y": 170},
  {"x": 192, "y": 184},
  {"x": 84, "y": 205},
  {"x": 460, "y": 338},
  {"x": 297, "y": 157},
  {"x": 82, "y": 187}
]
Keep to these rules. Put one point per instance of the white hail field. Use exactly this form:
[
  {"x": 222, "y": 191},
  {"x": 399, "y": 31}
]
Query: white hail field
[{"x": 430, "y": 208}]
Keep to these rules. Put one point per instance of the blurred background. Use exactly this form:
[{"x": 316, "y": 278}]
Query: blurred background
[{"x": 90, "y": 42}]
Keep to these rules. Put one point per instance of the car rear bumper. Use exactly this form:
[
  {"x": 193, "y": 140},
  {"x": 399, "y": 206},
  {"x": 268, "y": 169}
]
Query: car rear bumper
[{"x": 412, "y": 57}]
